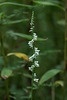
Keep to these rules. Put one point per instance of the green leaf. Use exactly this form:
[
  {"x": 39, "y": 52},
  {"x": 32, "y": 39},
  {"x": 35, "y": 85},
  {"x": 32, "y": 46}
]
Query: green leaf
[
  {"x": 25, "y": 97},
  {"x": 61, "y": 22},
  {"x": 48, "y": 75},
  {"x": 29, "y": 37},
  {"x": 6, "y": 72},
  {"x": 59, "y": 83},
  {"x": 15, "y": 4},
  {"x": 2, "y": 15},
  {"x": 15, "y": 22},
  {"x": 47, "y": 3},
  {"x": 27, "y": 75}
]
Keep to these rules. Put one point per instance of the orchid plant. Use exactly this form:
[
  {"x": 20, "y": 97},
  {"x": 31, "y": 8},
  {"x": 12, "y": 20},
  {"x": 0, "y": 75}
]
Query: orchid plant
[{"x": 31, "y": 44}]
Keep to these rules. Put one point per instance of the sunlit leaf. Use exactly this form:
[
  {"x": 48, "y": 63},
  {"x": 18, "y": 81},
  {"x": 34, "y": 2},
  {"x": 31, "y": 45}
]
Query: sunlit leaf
[
  {"x": 19, "y": 55},
  {"x": 49, "y": 74},
  {"x": 6, "y": 72},
  {"x": 59, "y": 83}
]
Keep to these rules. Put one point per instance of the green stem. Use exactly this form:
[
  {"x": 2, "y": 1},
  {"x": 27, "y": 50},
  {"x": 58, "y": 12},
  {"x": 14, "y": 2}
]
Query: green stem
[
  {"x": 53, "y": 89},
  {"x": 65, "y": 54},
  {"x": 32, "y": 85},
  {"x": 33, "y": 59},
  {"x": 4, "y": 57},
  {"x": 7, "y": 89}
]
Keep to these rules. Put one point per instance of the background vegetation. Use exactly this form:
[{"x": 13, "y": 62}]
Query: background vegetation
[{"x": 49, "y": 20}]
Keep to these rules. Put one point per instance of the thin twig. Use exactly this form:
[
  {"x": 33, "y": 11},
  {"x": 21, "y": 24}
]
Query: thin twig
[{"x": 53, "y": 90}]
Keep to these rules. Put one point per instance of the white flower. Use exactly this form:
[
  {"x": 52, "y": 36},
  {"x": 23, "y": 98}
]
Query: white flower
[
  {"x": 34, "y": 74},
  {"x": 36, "y": 64},
  {"x": 31, "y": 23},
  {"x": 36, "y": 51},
  {"x": 36, "y": 80},
  {"x": 31, "y": 43},
  {"x": 31, "y": 29},
  {"x": 31, "y": 68},
  {"x": 34, "y": 36},
  {"x": 32, "y": 57},
  {"x": 32, "y": 19}
]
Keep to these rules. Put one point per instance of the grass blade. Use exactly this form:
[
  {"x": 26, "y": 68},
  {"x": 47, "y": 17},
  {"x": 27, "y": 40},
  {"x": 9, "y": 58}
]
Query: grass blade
[
  {"x": 46, "y": 3},
  {"x": 15, "y": 4},
  {"x": 29, "y": 37},
  {"x": 15, "y": 22}
]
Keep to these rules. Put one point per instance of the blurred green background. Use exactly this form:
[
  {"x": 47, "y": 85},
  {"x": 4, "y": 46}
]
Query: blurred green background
[{"x": 49, "y": 22}]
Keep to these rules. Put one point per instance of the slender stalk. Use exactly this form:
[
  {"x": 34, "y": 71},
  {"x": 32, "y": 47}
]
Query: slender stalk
[
  {"x": 33, "y": 60},
  {"x": 53, "y": 90},
  {"x": 33, "y": 57},
  {"x": 4, "y": 57},
  {"x": 7, "y": 89},
  {"x": 65, "y": 54},
  {"x": 32, "y": 85}
]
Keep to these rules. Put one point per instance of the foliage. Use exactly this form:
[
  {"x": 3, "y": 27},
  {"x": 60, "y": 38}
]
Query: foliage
[{"x": 49, "y": 24}]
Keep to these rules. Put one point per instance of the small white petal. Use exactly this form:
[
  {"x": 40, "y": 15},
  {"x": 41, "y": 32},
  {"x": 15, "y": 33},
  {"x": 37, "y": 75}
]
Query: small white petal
[
  {"x": 34, "y": 36},
  {"x": 31, "y": 68},
  {"x": 34, "y": 74},
  {"x": 37, "y": 51},
  {"x": 36, "y": 63},
  {"x": 32, "y": 57},
  {"x": 36, "y": 80},
  {"x": 31, "y": 43}
]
